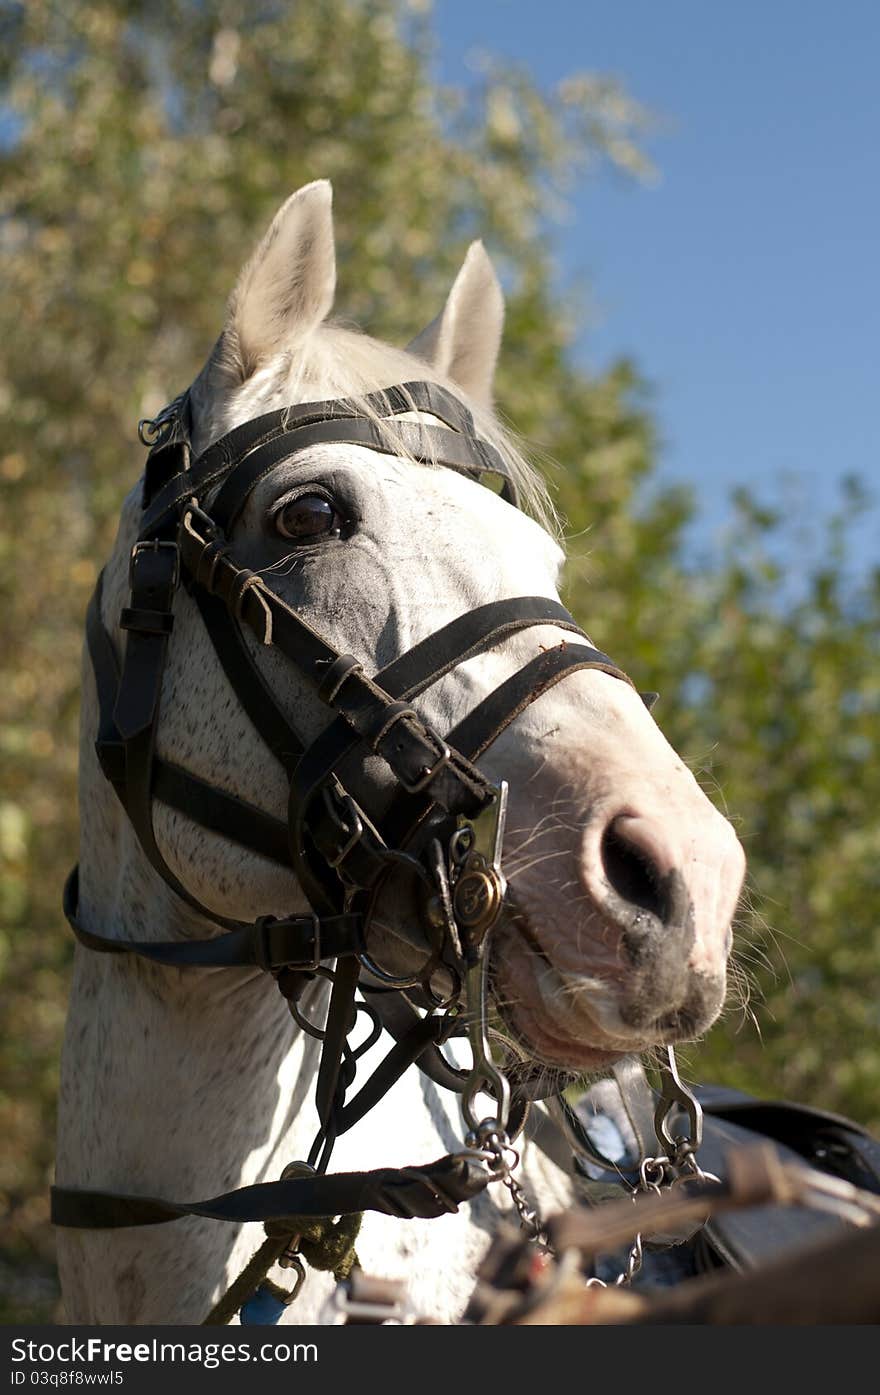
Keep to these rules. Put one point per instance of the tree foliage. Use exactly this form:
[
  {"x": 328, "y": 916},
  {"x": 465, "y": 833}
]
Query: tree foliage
[{"x": 143, "y": 148}]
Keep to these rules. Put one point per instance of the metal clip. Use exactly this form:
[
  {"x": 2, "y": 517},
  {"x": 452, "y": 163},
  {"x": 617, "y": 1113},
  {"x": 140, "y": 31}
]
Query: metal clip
[
  {"x": 153, "y": 430},
  {"x": 675, "y": 1095},
  {"x": 478, "y": 893}
]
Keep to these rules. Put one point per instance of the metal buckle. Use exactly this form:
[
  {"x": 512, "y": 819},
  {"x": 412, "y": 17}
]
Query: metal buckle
[
  {"x": 416, "y": 786},
  {"x": 356, "y": 826},
  {"x": 153, "y": 545},
  {"x": 391, "y": 1306},
  {"x": 262, "y": 957}
]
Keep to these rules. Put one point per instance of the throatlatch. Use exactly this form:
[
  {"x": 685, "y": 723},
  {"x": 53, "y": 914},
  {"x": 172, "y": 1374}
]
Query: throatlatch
[{"x": 443, "y": 829}]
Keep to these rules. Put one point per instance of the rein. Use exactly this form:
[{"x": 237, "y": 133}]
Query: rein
[{"x": 443, "y": 828}]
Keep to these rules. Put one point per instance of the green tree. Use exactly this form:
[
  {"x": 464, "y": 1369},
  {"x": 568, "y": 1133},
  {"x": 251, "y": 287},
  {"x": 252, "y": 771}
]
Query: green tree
[{"x": 142, "y": 149}]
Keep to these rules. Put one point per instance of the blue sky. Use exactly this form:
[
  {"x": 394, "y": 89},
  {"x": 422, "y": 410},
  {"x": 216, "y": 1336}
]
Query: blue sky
[{"x": 744, "y": 282}]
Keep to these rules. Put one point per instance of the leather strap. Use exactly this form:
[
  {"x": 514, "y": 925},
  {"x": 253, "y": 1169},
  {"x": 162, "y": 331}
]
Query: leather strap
[
  {"x": 271, "y": 943},
  {"x": 246, "y": 680},
  {"x": 476, "y": 732},
  {"x": 410, "y": 1048},
  {"x": 424, "y": 443},
  {"x": 221, "y": 812},
  {"x": 434, "y": 1190},
  {"x": 425, "y": 664},
  {"x": 154, "y": 575},
  {"x": 400, "y": 1018},
  {"x": 224, "y": 455},
  {"x": 340, "y": 1019},
  {"x": 404, "y": 678}
]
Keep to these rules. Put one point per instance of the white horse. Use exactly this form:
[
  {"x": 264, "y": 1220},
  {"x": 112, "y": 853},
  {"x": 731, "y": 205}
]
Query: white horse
[{"x": 185, "y": 1083}]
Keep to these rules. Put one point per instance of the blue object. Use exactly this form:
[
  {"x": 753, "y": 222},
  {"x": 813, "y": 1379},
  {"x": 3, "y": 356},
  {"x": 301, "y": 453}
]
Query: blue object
[{"x": 263, "y": 1309}]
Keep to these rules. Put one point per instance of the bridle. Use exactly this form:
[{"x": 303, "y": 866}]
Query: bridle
[{"x": 443, "y": 827}]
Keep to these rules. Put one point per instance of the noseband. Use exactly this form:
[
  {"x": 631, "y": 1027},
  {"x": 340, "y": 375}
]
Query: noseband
[{"x": 442, "y": 828}]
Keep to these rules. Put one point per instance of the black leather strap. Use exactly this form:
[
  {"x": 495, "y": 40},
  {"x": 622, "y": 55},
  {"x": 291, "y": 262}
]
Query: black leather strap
[
  {"x": 470, "y": 634},
  {"x": 221, "y": 812},
  {"x": 247, "y": 682},
  {"x": 411, "y": 1047},
  {"x": 109, "y": 746},
  {"x": 400, "y": 1020},
  {"x": 340, "y": 1020},
  {"x": 270, "y": 943},
  {"x": 425, "y": 664},
  {"x": 476, "y": 732},
  {"x": 434, "y": 1190},
  {"x": 427, "y": 444},
  {"x": 154, "y": 573},
  {"x": 490, "y": 717},
  {"x": 224, "y": 455}
]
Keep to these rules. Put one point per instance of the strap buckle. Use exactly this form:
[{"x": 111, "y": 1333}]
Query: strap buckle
[
  {"x": 429, "y": 773},
  {"x": 154, "y": 545},
  {"x": 353, "y": 830},
  {"x": 363, "y": 1299},
  {"x": 268, "y": 961}
]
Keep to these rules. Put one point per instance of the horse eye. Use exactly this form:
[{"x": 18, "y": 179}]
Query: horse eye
[{"x": 308, "y": 517}]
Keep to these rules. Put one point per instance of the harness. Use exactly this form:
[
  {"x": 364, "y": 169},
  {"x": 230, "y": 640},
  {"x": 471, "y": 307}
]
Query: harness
[{"x": 442, "y": 829}]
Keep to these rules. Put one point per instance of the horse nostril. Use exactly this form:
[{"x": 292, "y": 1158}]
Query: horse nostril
[{"x": 632, "y": 874}]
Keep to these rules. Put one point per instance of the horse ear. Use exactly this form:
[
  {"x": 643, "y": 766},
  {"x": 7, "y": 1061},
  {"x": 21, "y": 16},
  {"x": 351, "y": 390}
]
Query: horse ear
[
  {"x": 463, "y": 342},
  {"x": 286, "y": 288}
]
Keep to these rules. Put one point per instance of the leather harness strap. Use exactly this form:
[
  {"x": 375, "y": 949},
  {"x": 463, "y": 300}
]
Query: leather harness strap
[
  {"x": 219, "y": 459},
  {"x": 270, "y": 944},
  {"x": 406, "y": 1192}
]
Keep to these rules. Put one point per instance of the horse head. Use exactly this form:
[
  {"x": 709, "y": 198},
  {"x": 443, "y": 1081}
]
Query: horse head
[{"x": 622, "y": 877}]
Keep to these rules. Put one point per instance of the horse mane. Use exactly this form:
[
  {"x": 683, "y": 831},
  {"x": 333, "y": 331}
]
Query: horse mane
[{"x": 341, "y": 361}]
